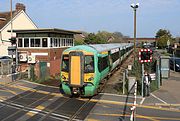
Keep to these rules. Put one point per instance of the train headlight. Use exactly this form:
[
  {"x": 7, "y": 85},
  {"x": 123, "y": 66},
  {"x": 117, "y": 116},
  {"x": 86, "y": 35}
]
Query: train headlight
[
  {"x": 63, "y": 77},
  {"x": 91, "y": 78}
]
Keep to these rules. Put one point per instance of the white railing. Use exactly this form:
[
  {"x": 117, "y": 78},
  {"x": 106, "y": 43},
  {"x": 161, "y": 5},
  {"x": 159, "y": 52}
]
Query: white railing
[{"x": 133, "y": 108}]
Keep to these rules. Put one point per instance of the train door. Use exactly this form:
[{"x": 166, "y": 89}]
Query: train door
[{"x": 76, "y": 62}]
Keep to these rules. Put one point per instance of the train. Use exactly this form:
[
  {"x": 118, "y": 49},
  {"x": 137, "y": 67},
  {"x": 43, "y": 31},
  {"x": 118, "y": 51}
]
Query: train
[{"x": 83, "y": 67}]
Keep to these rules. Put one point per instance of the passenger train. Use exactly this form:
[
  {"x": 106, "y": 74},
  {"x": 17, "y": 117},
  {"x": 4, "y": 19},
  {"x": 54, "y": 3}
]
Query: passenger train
[{"x": 83, "y": 67}]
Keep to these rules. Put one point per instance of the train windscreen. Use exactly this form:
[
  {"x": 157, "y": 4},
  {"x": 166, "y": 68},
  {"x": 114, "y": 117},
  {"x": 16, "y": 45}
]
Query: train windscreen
[
  {"x": 89, "y": 64},
  {"x": 65, "y": 63}
]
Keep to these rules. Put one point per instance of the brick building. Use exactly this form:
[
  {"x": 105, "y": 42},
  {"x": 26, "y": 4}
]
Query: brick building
[{"x": 42, "y": 48}]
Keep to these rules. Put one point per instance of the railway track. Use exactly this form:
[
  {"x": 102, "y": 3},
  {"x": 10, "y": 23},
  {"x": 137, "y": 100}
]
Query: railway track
[
  {"x": 114, "y": 81},
  {"x": 35, "y": 105}
]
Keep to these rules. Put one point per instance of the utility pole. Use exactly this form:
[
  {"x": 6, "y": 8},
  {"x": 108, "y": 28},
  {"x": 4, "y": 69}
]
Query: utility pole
[
  {"x": 11, "y": 19},
  {"x": 16, "y": 51},
  {"x": 134, "y": 6}
]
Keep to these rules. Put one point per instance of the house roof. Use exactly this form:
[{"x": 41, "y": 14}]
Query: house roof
[
  {"x": 6, "y": 16},
  {"x": 49, "y": 30}
]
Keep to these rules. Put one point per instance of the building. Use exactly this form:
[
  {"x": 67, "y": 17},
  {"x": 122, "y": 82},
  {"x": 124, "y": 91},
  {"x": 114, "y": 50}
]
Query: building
[
  {"x": 140, "y": 40},
  {"x": 43, "y": 48},
  {"x": 20, "y": 20}
]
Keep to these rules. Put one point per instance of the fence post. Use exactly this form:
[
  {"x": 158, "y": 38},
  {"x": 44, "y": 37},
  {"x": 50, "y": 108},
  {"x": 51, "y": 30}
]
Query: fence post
[
  {"x": 158, "y": 73},
  {"x": 124, "y": 83},
  {"x": 1, "y": 68}
]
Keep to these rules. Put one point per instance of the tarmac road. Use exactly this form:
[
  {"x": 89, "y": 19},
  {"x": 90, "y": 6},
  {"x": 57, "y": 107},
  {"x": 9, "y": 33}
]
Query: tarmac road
[{"x": 23, "y": 100}]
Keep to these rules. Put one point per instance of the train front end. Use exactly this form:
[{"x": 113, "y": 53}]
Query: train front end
[{"x": 78, "y": 73}]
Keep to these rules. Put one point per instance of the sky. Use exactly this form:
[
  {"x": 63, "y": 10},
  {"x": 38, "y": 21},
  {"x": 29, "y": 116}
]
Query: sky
[{"x": 103, "y": 15}]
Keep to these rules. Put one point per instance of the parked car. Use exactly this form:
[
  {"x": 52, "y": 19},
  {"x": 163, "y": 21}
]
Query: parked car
[
  {"x": 5, "y": 58},
  {"x": 176, "y": 65}
]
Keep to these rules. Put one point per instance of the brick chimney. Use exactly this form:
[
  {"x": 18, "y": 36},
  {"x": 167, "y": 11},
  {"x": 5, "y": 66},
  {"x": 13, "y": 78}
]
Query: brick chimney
[{"x": 20, "y": 6}]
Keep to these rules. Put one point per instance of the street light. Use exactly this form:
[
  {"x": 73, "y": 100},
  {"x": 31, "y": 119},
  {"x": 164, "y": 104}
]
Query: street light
[{"x": 134, "y": 6}]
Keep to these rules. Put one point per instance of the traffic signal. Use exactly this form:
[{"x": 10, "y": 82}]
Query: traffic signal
[
  {"x": 13, "y": 40},
  {"x": 145, "y": 55}
]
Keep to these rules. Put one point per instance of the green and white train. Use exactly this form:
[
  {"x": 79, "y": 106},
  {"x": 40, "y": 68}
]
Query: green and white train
[{"x": 85, "y": 66}]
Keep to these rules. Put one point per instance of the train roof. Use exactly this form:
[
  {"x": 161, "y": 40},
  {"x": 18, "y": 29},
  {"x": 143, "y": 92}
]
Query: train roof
[{"x": 107, "y": 47}]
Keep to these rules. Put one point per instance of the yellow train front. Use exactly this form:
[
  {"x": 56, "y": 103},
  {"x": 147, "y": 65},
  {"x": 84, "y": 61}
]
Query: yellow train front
[
  {"x": 83, "y": 67},
  {"x": 78, "y": 71}
]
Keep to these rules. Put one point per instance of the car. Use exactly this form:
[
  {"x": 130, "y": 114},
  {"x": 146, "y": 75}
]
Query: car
[
  {"x": 176, "y": 65},
  {"x": 5, "y": 59}
]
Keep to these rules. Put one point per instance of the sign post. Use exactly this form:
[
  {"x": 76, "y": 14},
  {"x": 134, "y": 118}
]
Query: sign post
[
  {"x": 145, "y": 55},
  {"x": 142, "y": 81}
]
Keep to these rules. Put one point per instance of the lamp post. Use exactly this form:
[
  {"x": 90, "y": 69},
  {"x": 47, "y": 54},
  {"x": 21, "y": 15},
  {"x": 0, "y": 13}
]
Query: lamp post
[{"x": 134, "y": 6}]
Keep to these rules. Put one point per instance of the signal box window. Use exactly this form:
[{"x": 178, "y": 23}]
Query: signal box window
[
  {"x": 20, "y": 44},
  {"x": 26, "y": 42},
  {"x": 44, "y": 42},
  {"x": 37, "y": 42},
  {"x": 89, "y": 64},
  {"x": 65, "y": 63}
]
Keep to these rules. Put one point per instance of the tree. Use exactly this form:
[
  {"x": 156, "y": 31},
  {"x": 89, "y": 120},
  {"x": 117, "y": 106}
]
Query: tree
[
  {"x": 104, "y": 35},
  {"x": 162, "y": 37}
]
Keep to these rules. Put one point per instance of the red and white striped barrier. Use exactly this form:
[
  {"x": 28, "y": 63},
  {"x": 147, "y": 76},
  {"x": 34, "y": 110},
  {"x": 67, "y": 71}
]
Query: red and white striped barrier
[{"x": 133, "y": 108}]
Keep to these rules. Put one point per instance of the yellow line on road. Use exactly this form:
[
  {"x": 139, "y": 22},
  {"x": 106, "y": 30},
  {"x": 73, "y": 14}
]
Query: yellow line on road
[
  {"x": 146, "y": 117},
  {"x": 1, "y": 98},
  {"x": 32, "y": 113},
  {"x": 128, "y": 104},
  {"x": 8, "y": 90},
  {"x": 160, "y": 118},
  {"x": 120, "y": 115},
  {"x": 90, "y": 119},
  {"x": 152, "y": 118},
  {"x": 31, "y": 89}
]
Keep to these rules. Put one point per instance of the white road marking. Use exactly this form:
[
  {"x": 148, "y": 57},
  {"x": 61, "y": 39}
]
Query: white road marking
[
  {"x": 142, "y": 101},
  {"x": 119, "y": 95},
  {"x": 159, "y": 98}
]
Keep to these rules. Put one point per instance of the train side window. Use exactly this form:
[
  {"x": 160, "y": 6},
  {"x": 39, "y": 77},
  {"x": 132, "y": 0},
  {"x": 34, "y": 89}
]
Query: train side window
[
  {"x": 115, "y": 56},
  {"x": 102, "y": 63},
  {"x": 122, "y": 52},
  {"x": 65, "y": 63},
  {"x": 89, "y": 64}
]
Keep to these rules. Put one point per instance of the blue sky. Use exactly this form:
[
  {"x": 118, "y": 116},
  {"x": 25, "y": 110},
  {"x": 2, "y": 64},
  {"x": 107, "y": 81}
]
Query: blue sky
[{"x": 108, "y": 15}]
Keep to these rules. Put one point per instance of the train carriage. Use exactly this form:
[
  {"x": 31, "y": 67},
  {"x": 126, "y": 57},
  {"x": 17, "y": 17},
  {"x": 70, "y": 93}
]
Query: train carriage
[{"x": 83, "y": 67}]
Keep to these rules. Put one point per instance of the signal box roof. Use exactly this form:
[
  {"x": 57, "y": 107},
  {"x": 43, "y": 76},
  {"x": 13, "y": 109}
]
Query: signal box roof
[{"x": 51, "y": 30}]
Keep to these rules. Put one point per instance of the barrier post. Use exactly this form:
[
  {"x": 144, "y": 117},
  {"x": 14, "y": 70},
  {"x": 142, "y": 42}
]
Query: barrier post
[{"x": 133, "y": 108}]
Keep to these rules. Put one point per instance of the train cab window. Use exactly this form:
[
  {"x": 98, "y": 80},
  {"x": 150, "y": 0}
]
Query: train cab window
[
  {"x": 89, "y": 64},
  {"x": 65, "y": 63}
]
